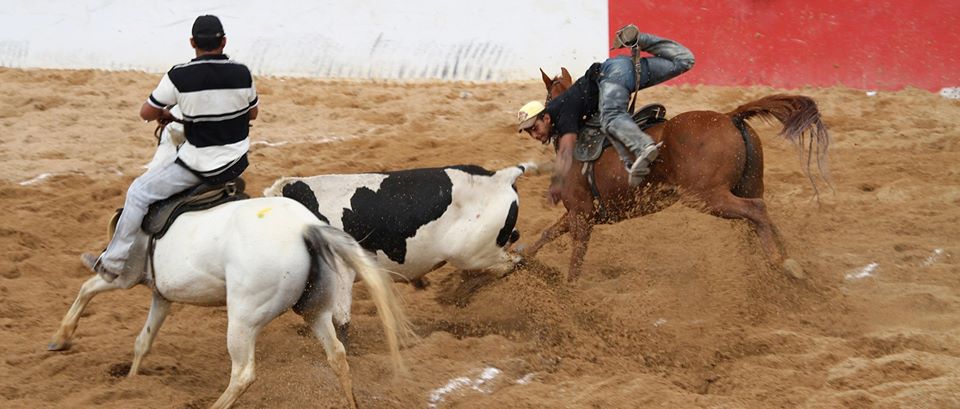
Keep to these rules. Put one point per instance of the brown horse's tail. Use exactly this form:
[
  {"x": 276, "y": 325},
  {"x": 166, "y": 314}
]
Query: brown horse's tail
[{"x": 801, "y": 125}]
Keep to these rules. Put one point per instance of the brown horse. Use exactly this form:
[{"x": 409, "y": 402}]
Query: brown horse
[{"x": 709, "y": 160}]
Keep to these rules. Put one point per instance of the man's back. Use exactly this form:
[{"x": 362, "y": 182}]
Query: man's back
[{"x": 215, "y": 95}]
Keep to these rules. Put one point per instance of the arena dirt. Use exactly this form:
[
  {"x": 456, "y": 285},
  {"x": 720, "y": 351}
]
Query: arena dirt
[{"x": 676, "y": 309}]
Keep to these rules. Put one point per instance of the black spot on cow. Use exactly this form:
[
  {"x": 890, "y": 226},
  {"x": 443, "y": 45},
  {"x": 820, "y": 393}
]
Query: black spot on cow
[
  {"x": 507, "y": 231},
  {"x": 472, "y": 169},
  {"x": 302, "y": 193},
  {"x": 405, "y": 201}
]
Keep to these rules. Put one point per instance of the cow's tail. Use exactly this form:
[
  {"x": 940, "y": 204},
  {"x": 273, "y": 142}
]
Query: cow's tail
[
  {"x": 277, "y": 188},
  {"x": 510, "y": 174}
]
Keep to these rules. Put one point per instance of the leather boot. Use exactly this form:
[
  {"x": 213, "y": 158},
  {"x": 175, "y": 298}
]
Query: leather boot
[
  {"x": 92, "y": 262},
  {"x": 641, "y": 166}
]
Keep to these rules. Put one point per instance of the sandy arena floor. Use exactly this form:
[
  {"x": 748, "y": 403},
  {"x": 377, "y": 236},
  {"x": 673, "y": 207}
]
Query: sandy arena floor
[{"x": 674, "y": 310}]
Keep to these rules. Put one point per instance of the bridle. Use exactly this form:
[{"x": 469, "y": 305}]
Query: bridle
[{"x": 557, "y": 81}]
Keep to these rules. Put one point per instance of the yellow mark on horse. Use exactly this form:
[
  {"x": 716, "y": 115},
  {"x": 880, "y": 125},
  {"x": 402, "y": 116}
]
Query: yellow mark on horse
[{"x": 263, "y": 212}]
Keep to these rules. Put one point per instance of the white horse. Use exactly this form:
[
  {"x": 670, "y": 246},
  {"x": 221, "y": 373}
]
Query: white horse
[{"x": 259, "y": 257}]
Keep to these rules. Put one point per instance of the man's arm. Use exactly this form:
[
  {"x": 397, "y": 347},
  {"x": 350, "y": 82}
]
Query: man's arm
[
  {"x": 564, "y": 160},
  {"x": 253, "y": 112},
  {"x": 149, "y": 113}
]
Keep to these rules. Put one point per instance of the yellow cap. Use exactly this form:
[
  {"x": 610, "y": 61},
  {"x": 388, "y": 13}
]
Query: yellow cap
[{"x": 528, "y": 114}]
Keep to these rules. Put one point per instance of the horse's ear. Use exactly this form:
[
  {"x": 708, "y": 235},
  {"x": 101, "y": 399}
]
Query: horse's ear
[
  {"x": 547, "y": 81},
  {"x": 566, "y": 75}
]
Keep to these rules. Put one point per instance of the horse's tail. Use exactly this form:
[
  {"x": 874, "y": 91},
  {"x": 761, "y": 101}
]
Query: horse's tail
[
  {"x": 802, "y": 125},
  {"x": 331, "y": 246}
]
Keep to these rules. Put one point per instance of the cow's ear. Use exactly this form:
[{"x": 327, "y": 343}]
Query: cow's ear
[
  {"x": 566, "y": 76},
  {"x": 547, "y": 81}
]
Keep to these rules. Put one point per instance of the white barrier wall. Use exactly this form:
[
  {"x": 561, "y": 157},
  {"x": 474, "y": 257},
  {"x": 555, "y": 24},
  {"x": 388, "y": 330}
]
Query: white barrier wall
[{"x": 490, "y": 40}]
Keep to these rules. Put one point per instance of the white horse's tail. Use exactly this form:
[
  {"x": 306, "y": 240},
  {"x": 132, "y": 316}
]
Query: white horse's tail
[{"x": 326, "y": 240}]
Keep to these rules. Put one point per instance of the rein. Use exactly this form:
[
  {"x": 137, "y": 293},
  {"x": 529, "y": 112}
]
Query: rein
[
  {"x": 162, "y": 123},
  {"x": 587, "y": 169}
]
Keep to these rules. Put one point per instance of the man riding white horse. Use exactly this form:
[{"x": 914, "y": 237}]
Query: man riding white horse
[
  {"x": 218, "y": 100},
  {"x": 606, "y": 87}
]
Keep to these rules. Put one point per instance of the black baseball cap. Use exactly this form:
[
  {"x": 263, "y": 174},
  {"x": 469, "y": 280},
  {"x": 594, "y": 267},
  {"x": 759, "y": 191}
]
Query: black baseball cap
[{"x": 207, "y": 26}]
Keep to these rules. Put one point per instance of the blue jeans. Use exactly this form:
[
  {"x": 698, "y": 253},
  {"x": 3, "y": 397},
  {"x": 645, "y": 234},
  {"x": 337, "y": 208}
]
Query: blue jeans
[
  {"x": 619, "y": 78},
  {"x": 158, "y": 183},
  {"x": 617, "y": 81}
]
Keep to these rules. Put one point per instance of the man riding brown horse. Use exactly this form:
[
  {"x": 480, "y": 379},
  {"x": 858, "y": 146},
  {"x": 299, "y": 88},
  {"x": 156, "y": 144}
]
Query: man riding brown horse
[
  {"x": 708, "y": 160},
  {"x": 606, "y": 87}
]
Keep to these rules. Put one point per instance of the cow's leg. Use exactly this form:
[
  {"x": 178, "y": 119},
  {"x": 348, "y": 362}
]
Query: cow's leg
[
  {"x": 488, "y": 258},
  {"x": 336, "y": 354},
  {"x": 550, "y": 234},
  {"x": 159, "y": 307},
  {"x": 728, "y": 206},
  {"x": 504, "y": 264},
  {"x": 93, "y": 286},
  {"x": 580, "y": 228}
]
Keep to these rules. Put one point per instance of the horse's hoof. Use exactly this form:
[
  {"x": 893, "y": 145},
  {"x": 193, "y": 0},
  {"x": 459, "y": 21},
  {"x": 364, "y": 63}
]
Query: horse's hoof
[
  {"x": 58, "y": 346},
  {"x": 792, "y": 267}
]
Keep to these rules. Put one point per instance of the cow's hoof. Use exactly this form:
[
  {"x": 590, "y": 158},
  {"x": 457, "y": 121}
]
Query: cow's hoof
[
  {"x": 420, "y": 283},
  {"x": 792, "y": 267},
  {"x": 520, "y": 262}
]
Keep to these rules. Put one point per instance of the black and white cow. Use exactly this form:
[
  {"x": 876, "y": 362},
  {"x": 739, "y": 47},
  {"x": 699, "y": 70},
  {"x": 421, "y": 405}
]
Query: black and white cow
[{"x": 417, "y": 220}]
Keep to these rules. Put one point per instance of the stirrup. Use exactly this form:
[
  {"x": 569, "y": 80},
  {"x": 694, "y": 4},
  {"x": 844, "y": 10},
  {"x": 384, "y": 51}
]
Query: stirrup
[
  {"x": 94, "y": 264},
  {"x": 650, "y": 153}
]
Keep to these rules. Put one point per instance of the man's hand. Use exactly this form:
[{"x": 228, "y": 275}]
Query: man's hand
[
  {"x": 556, "y": 189},
  {"x": 149, "y": 112},
  {"x": 165, "y": 117},
  {"x": 564, "y": 162}
]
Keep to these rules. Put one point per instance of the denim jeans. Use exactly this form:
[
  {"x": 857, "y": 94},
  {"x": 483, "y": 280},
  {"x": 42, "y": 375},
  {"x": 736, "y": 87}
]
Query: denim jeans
[
  {"x": 669, "y": 60},
  {"x": 617, "y": 81},
  {"x": 158, "y": 183},
  {"x": 619, "y": 78}
]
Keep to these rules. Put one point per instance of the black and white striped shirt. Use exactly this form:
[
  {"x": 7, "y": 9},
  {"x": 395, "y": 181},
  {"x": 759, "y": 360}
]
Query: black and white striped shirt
[{"x": 215, "y": 95}]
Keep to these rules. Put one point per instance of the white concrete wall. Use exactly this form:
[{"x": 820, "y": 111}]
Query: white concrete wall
[{"x": 487, "y": 40}]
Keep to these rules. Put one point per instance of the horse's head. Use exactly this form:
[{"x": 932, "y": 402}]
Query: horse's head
[
  {"x": 556, "y": 85},
  {"x": 169, "y": 137}
]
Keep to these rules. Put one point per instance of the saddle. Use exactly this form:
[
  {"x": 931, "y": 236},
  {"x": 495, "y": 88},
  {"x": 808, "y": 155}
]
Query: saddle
[
  {"x": 591, "y": 141},
  {"x": 161, "y": 215}
]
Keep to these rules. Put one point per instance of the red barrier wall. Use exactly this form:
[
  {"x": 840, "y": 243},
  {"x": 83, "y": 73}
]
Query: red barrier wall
[{"x": 863, "y": 44}]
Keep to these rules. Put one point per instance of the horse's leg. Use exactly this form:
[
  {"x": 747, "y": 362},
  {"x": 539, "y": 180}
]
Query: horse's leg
[
  {"x": 550, "y": 234},
  {"x": 241, "y": 343},
  {"x": 580, "y": 228},
  {"x": 159, "y": 307},
  {"x": 93, "y": 286},
  {"x": 729, "y": 206},
  {"x": 336, "y": 354}
]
